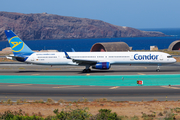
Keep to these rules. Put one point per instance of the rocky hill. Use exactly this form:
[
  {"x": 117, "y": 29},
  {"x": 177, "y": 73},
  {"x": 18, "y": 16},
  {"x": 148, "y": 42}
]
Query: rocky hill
[{"x": 48, "y": 26}]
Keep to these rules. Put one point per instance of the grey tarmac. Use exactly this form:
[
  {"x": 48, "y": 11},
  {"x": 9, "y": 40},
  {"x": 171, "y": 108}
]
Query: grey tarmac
[
  {"x": 30, "y": 69},
  {"x": 74, "y": 93}
]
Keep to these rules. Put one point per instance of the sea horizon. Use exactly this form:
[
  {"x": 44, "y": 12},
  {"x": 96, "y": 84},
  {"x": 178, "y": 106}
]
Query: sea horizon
[{"x": 80, "y": 45}]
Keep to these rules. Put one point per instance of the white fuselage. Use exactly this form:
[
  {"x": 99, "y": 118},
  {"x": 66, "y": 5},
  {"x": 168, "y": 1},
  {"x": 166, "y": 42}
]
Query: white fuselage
[{"x": 59, "y": 58}]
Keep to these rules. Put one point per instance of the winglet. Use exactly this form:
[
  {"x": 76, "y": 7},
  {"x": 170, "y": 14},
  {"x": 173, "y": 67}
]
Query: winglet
[
  {"x": 67, "y": 56},
  {"x": 73, "y": 50}
]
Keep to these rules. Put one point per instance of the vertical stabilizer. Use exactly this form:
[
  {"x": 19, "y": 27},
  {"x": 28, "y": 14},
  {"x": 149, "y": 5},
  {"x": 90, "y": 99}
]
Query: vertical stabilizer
[{"x": 17, "y": 45}]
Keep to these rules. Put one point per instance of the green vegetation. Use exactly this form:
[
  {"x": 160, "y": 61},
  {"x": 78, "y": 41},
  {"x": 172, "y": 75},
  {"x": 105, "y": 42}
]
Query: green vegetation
[
  {"x": 105, "y": 114},
  {"x": 76, "y": 114},
  {"x": 50, "y": 101},
  {"x": 81, "y": 113},
  {"x": 177, "y": 110},
  {"x": 9, "y": 115},
  {"x": 148, "y": 116}
]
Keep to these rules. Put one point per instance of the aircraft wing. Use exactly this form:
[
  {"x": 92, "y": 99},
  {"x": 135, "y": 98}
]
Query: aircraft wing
[
  {"x": 81, "y": 61},
  {"x": 84, "y": 62}
]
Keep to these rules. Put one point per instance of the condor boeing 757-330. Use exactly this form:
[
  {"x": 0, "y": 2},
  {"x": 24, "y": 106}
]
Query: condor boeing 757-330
[{"x": 96, "y": 60}]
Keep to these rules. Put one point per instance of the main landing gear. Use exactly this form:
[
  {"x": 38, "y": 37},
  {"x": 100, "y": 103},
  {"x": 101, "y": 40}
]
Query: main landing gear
[
  {"x": 87, "y": 70},
  {"x": 158, "y": 68}
]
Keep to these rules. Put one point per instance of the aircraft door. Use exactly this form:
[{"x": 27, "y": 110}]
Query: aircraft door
[
  {"x": 32, "y": 58},
  {"x": 132, "y": 57},
  {"x": 161, "y": 57}
]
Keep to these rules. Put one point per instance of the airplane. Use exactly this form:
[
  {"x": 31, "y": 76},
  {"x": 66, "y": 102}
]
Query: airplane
[{"x": 96, "y": 60}]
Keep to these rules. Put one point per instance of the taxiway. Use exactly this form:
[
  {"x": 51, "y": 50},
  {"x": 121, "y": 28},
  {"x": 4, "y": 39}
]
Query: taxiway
[
  {"x": 16, "y": 68},
  {"x": 74, "y": 93}
]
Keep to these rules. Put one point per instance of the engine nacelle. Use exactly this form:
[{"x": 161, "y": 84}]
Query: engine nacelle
[{"x": 102, "y": 65}]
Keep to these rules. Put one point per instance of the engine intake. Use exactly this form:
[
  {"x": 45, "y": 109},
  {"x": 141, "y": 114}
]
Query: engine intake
[{"x": 102, "y": 65}]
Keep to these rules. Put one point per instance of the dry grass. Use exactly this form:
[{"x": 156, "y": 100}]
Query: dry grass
[
  {"x": 6, "y": 60},
  {"x": 170, "y": 52},
  {"x": 122, "y": 108},
  {"x": 177, "y": 59}
]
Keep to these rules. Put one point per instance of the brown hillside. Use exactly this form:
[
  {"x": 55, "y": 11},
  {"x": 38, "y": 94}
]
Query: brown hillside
[{"x": 48, "y": 26}]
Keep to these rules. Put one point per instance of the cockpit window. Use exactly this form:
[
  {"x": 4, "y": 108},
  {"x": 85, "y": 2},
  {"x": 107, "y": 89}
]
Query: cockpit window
[{"x": 169, "y": 56}]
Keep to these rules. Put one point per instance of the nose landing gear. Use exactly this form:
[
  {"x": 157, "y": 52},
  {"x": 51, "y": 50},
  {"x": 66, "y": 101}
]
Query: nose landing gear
[{"x": 158, "y": 68}]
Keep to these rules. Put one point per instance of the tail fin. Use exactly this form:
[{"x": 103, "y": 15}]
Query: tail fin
[
  {"x": 73, "y": 50},
  {"x": 17, "y": 45}
]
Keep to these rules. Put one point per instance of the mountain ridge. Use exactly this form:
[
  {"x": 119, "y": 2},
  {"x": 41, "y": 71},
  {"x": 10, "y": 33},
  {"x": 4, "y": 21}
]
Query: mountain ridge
[{"x": 43, "y": 26}]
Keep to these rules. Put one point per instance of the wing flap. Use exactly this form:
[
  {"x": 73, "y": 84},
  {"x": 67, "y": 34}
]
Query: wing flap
[{"x": 84, "y": 62}]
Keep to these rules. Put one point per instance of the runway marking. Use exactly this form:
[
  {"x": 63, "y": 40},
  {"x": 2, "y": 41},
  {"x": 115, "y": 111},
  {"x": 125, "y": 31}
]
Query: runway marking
[
  {"x": 141, "y": 74},
  {"x": 65, "y": 87},
  {"x": 19, "y": 85},
  {"x": 35, "y": 74},
  {"x": 170, "y": 87},
  {"x": 114, "y": 87}
]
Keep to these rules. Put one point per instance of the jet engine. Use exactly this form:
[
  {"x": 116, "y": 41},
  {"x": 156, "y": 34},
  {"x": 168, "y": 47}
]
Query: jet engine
[{"x": 102, "y": 65}]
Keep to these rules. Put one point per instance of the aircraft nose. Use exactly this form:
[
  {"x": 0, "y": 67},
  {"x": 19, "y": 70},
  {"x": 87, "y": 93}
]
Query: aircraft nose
[{"x": 174, "y": 60}]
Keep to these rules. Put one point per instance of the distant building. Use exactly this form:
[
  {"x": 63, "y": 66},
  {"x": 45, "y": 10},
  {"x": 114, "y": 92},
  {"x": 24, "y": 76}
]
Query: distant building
[
  {"x": 174, "y": 46},
  {"x": 153, "y": 48},
  {"x": 130, "y": 48},
  {"x": 7, "y": 49},
  {"x": 110, "y": 46},
  {"x": 49, "y": 51}
]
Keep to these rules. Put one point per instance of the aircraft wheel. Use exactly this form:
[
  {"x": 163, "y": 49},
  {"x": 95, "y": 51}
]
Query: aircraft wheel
[
  {"x": 88, "y": 70},
  {"x": 84, "y": 71},
  {"x": 157, "y": 70}
]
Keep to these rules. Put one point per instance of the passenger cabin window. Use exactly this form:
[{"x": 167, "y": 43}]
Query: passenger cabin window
[{"x": 46, "y": 56}]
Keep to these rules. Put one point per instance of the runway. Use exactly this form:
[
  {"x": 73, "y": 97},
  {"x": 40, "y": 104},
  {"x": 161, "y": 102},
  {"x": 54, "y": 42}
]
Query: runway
[
  {"x": 16, "y": 68},
  {"x": 76, "y": 92}
]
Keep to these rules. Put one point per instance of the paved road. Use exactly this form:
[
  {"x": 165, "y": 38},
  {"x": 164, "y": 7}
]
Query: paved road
[{"x": 74, "y": 93}]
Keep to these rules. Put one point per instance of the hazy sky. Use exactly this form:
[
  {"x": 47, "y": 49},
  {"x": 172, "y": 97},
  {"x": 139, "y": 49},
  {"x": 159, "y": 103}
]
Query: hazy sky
[{"x": 131, "y": 13}]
